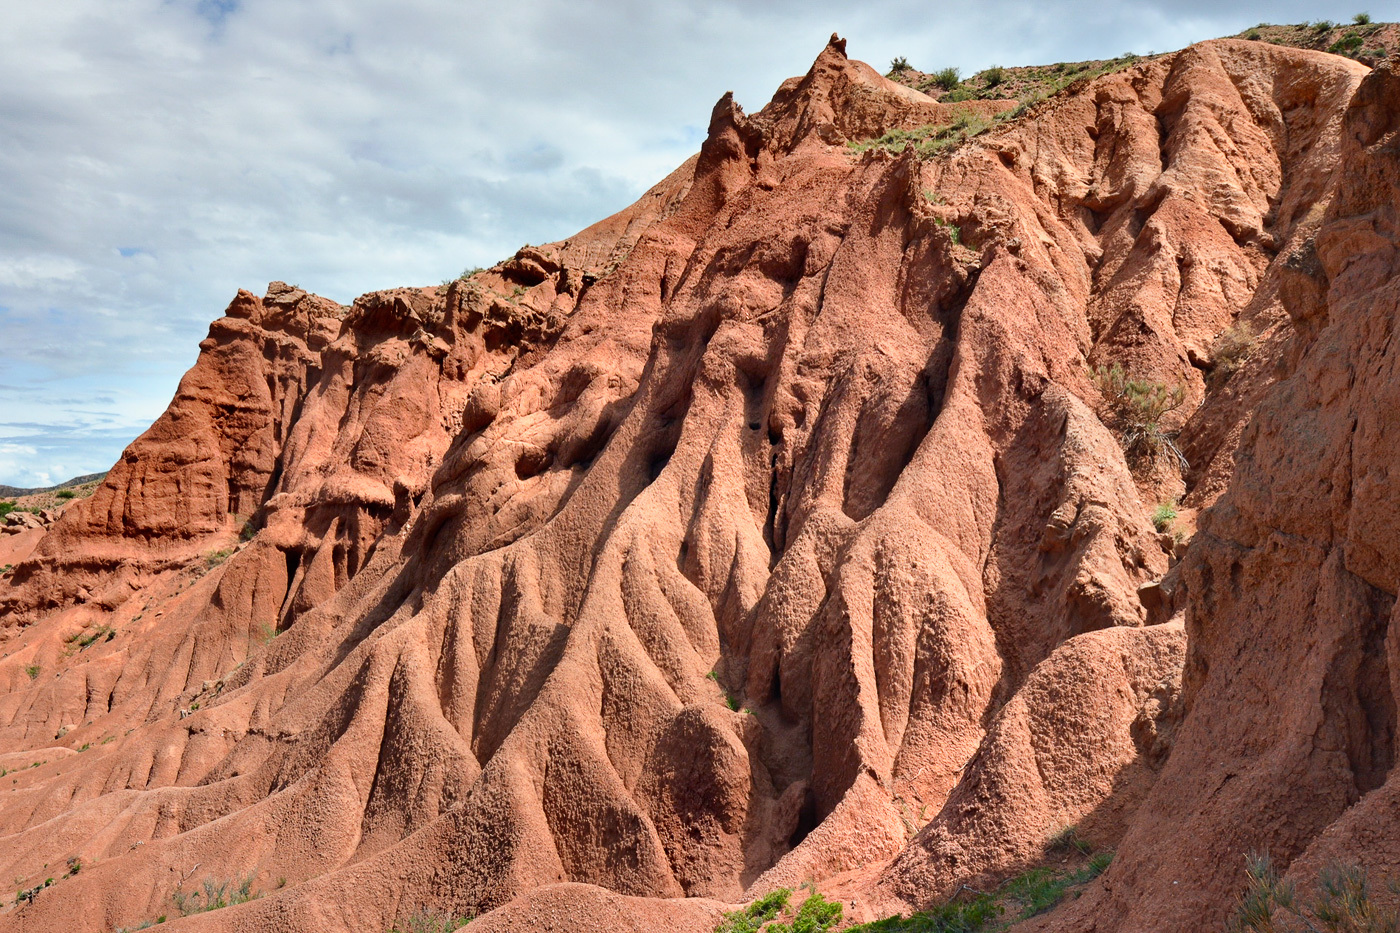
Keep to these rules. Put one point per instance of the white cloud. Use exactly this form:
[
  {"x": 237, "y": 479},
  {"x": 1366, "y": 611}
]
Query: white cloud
[{"x": 155, "y": 155}]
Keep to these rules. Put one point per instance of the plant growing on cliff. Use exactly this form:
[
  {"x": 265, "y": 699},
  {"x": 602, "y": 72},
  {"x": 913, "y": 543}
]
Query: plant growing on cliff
[
  {"x": 214, "y": 894},
  {"x": 1068, "y": 840},
  {"x": 1342, "y": 903},
  {"x": 1362, "y": 19},
  {"x": 429, "y": 920},
  {"x": 1234, "y": 345},
  {"x": 898, "y": 66},
  {"x": 930, "y": 138},
  {"x": 1164, "y": 515},
  {"x": 1346, "y": 44},
  {"x": 33, "y": 671},
  {"x": 1137, "y": 407}
]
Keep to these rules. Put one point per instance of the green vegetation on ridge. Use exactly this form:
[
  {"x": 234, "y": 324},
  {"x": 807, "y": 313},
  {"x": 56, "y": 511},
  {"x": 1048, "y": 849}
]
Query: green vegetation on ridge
[
  {"x": 1027, "y": 895},
  {"x": 1361, "y": 39}
]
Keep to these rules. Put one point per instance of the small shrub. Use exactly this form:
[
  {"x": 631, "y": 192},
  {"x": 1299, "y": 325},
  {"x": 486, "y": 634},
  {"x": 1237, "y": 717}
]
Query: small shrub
[
  {"x": 731, "y": 701},
  {"x": 65, "y": 494},
  {"x": 6, "y": 508},
  {"x": 1323, "y": 25},
  {"x": 993, "y": 76},
  {"x": 1252, "y": 34},
  {"x": 1362, "y": 19},
  {"x": 1346, "y": 44},
  {"x": 756, "y": 914},
  {"x": 1163, "y": 516},
  {"x": 33, "y": 671},
  {"x": 957, "y": 96},
  {"x": 1228, "y": 353},
  {"x": 898, "y": 66},
  {"x": 1138, "y": 407},
  {"x": 248, "y": 531},
  {"x": 214, "y": 894},
  {"x": 1265, "y": 892},
  {"x": 947, "y": 78},
  {"x": 954, "y": 231},
  {"x": 103, "y": 632},
  {"x": 1342, "y": 903},
  {"x": 816, "y": 915},
  {"x": 1068, "y": 840},
  {"x": 215, "y": 558}
]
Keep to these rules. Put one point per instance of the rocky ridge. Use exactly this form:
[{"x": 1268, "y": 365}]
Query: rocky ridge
[{"x": 775, "y": 529}]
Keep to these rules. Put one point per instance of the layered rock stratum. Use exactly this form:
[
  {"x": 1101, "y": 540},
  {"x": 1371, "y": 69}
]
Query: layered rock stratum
[{"x": 776, "y": 529}]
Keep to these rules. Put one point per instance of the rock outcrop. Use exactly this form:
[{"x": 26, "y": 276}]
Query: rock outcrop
[{"x": 774, "y": 529}]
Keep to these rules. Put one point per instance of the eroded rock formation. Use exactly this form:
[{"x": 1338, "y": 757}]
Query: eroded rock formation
[{"x": 773, "y": 529}]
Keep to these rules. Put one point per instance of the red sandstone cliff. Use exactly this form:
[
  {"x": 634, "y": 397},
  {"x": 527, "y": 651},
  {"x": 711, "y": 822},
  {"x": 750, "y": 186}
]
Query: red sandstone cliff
[{"x": 774, "y": 529}]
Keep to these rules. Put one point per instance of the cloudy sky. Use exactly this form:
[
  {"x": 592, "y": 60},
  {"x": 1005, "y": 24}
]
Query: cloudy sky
[{"x": 157, "y": 155}]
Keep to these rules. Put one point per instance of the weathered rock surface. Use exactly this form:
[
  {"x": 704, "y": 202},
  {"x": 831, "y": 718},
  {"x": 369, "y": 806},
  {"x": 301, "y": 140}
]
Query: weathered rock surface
[
  {"x": 772, "y": 529},
  {"x": 1288, "y": 740}
]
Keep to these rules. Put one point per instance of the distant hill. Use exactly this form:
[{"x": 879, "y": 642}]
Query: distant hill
[{"x": 12, "y": 491}]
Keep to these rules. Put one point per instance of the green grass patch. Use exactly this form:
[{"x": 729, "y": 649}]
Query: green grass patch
[
  {"x": 758, "y": 912},
  {"x": 1027, "y": 895},
  {"x": 85, "y": 638},
  {"x": 929, "y": 139}
]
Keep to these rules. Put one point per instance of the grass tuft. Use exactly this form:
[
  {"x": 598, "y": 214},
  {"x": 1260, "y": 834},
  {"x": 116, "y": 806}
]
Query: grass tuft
[
  {"x": 214, "y": 894},
  {"x": 429, "y": 920}
]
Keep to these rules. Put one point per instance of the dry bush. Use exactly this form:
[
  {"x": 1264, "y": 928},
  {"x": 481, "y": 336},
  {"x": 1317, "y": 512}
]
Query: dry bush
[{"x": 1138, "y": 407}]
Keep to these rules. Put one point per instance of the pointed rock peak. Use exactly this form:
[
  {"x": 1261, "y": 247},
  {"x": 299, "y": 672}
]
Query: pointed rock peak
[
  {"x": 725, "y": 113},
  {"x": 839, "y": 99}
]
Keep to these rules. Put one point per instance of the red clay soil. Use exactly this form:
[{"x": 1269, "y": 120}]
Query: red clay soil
[{"x": 775, "y": 529}]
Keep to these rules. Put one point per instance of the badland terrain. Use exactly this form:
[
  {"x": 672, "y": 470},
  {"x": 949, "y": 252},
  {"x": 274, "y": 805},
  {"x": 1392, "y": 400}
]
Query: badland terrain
[{"x": 910, "y": 503}]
